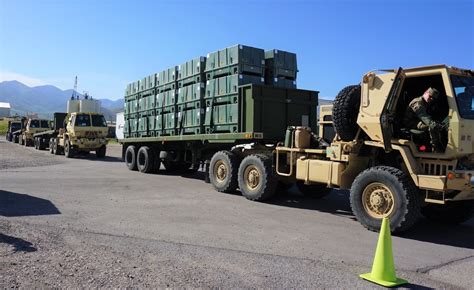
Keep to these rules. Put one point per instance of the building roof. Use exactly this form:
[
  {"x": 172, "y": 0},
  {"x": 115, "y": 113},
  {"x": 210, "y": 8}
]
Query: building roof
[{"x": 5, "y": 105}]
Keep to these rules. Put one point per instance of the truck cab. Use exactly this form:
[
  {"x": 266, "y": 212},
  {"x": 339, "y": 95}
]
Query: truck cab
[
  {"x": 83, "y": 132},
  {"x": 13, "y": 126},
  {"x": 32, "y": 127}
]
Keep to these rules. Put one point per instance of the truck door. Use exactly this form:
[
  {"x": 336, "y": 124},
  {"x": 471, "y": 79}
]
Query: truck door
[{"x": 388, "y": 113}]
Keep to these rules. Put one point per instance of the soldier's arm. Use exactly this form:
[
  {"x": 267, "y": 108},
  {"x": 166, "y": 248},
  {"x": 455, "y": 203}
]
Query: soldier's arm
[{"x": 425, "y": 117}]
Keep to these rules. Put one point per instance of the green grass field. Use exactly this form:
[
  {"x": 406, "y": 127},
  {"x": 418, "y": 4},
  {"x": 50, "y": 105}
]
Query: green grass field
[{"x": 3, "y": 126}]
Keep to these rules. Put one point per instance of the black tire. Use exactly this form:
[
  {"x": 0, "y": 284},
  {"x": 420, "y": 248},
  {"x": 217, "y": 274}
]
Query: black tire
[
  {"x": 345, "y": 111},
  {"x": 68, "y": 150},
  {"x": 51, "y": 145},
  {"x": 131, "y": 157},
  {"x": 145, "y": 160},
  {"x": 100, "y": 153},
  {"x": 256, "y": 178},
  {"x": 16, "y": 139},
  {"x": 454, "y": 213},
  {"x": 223, "y": 171},
  {"x": 56, "y": 148},
  {"x": 313, "y": 190},
  {"x": 35, "y": 143},
  {"x": 374, "y": 185}
]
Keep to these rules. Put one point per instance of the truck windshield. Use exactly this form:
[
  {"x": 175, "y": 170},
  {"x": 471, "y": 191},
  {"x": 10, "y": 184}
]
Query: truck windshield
[
  {"x": 464, "y": 90},
  {"x": 44, "y": 124},
  {"x": 83, "y": 120},
  {"x": 15, "y": 126},
  {"x": 98, "y": 121},
  {"x": 34, "y": 124}
]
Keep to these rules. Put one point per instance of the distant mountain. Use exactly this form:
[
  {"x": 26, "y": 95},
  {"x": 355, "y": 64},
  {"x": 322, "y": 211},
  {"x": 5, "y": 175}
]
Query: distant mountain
[{"x": 45, "y": 100}]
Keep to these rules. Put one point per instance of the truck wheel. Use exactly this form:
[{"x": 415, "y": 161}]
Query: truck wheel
[
  {"x": 68, "y": 150},
  {"x": 51, "y": 145},
  {"x": 256, "y": 178},
  {"x": 223, "y": 171},
  {"x": 345, "y": 111},
  {"x": 15, "y": 139},
  {"x": 35, "y": 143},
  {"x": 313, "y": 190},
  {"x": 455, "y": 212},
  {"x": 145, "y": 160},
  {"x": 100, "y": 153},
  {"x": 384, "y": 191},
  {"x": 56, "y": 148},
  {"x": 130, "y": 157}
]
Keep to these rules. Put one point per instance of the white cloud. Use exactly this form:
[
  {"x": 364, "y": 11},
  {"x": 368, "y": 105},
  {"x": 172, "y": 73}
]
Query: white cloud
[{"x": 29, "y": 81}]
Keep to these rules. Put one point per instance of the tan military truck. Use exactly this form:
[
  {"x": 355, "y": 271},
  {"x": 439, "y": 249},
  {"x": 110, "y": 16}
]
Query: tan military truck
[
  {"x": 75, "y": 133},
  {"x": 31, "y": 127},
  {"x": 390, "y": 170}
]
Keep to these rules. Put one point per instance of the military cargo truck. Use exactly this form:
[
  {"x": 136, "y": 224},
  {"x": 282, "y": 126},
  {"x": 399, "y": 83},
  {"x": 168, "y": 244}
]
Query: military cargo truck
[
  {"x": 75, "y": 133},
  {"x": 13, "y": 126},
  {"x": 30, "y": 127},
  {"x": 388, "y": 169}
]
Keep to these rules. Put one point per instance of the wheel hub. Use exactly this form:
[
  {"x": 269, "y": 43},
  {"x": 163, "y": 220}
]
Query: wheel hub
[
  {"x": 378, "y": 200},
  {"x": 253, "y": 177},
  {"x": 221, "y": 171}
]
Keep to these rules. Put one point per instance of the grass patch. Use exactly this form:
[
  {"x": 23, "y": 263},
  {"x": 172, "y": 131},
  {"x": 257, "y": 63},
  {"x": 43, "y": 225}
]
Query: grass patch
[
  {"x": 112, "y": 141},
  {"x": 3, "y": 126}
]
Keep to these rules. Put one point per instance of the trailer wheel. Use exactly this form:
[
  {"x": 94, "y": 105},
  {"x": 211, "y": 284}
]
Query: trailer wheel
[
  {"x": 223, "y": 171},
  {"x": 56, "y": 147},
  {"x": 51, "y": 145},
  {"x": 345, "y": 111},
  {"x": 68, "y": 150},
  {"x": 384, "y": 191},
  {"x": 313, "y": 190},
  {"x": 130, "y": 157},
  {"x": 455, "y": 212},
  {"x": 145, "y": 160},
  {"x": 100, "y": 153},
  {"x": 256, "y": 178}
]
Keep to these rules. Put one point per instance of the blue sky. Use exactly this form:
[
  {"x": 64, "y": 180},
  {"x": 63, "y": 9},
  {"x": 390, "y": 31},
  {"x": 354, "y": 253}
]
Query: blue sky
[{"x": 108, "y": 43}]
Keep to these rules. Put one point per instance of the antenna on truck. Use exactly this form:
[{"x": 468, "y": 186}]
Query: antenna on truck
[{"x": 74, "y": 91}]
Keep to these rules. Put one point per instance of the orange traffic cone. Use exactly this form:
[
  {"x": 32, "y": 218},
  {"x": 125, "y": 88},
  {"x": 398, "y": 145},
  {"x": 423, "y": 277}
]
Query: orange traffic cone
[{"x": 383, "y": 268}]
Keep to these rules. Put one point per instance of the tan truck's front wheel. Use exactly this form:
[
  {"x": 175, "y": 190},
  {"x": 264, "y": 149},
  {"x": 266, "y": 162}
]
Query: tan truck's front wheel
[{"x": 384, "y": 191}]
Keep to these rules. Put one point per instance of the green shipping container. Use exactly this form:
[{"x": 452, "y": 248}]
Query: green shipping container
[
  {"x": 236, "y": 60},
  {"x": 190, "y": 121},
  {"x": 191, "y": 68},
  {"x": 166, "y": 99},
  {"x": 191, "y": 93},
  {"x": 280, "y": 64},
  {"x": 166, "y": 77},
  {"x": 225, "y": 89},
  {"x": 281, "y": 83}
]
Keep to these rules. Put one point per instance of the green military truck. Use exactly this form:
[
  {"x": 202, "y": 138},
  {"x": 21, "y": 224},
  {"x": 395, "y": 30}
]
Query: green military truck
[
  {"x": 74, "y": 133},
  {"x": 255, "y": 137},
  {"x": 12, "y": 127}
]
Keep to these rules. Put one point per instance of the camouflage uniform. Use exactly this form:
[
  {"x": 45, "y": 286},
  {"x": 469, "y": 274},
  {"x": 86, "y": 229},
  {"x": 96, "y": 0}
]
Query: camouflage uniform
[{"x": 417, "y": 117}]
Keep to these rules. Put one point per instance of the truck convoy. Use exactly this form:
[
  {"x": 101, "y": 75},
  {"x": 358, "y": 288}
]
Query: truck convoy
[
  {"x": 237, "y": 112},
  {"x": 74, "y": 133}
]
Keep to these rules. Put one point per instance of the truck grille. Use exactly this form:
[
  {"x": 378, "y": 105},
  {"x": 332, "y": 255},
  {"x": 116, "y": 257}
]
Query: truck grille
[{"x": 435, "y": 168}]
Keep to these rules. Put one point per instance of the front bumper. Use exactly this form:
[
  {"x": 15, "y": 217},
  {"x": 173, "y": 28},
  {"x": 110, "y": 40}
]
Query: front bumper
[
  {"x": 88, "y": 143},
  {"x": 462, "y": 181}
]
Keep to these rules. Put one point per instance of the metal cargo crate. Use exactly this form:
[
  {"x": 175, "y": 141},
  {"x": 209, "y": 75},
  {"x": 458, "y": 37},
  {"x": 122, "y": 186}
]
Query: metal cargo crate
[
  {"x": 166, "y": 99},
  {"x": 191, "y": 93},
  {"x": 225, "y": 89},
  {"x": 131, "y": 106},
  {"x": 237, "y": 59},
  {"x": 143, "y": 127},
  {"x": 166, "y": 77},
  {"x": 280, "y": 64},
  {"x": 222, "y": 119},
  {"x": 258, "y": 106},
  {"x": 169, "y": 124},
  {"x": 190, "y": 122},
  {"x": 191, "y": 71},
  {"x": 132, "y": 88},
  {"x": 281, "y": 83}
]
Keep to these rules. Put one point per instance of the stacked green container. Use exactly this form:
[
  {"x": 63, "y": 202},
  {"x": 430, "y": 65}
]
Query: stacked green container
[
  {"x": 189, "y": 104},
  {"x": 238, "y": 59},
  {"x": 280, "y": 69},
  {"x": 166, "y": 80},
  {"x": 191, "y": 72},
  {"x": 221, "y": 101}
]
